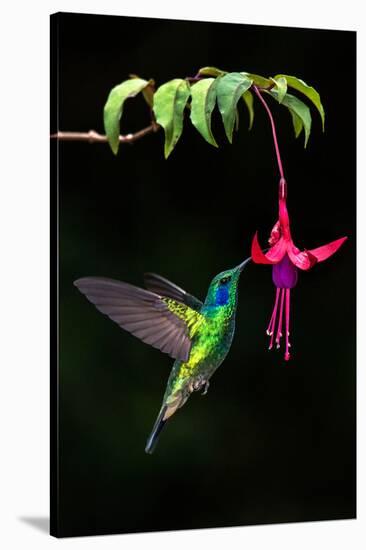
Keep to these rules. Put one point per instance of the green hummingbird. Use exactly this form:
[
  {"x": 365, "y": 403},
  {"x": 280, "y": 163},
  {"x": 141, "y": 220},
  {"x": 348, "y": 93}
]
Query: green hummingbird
[{"x": 197, "y": 335}]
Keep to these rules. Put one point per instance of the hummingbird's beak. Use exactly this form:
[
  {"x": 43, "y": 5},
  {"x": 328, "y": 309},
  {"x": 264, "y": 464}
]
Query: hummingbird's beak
[{"x": 241, "y": 266}]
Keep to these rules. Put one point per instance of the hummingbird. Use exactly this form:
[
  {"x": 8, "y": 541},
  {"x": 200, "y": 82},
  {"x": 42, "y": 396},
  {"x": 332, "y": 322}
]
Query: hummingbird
[{"x": 198, "y": 335}]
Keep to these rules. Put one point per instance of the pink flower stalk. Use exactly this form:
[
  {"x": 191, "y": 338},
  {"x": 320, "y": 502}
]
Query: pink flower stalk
[
  {"x": 284, "y": 256},
  {"x": 286, "y": 259}
]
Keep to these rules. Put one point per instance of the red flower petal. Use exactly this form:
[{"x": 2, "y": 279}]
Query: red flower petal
[
  {"x": 277, "y": 252},
  {"x": 284, "y": 219},
  {"x": 258, "y": 255},
  {"x": 273, "y": 256},
  {"x": 323, "y": 252},
  {"x": 275, "y": 234},
  {"x": 303, "y": 260}
]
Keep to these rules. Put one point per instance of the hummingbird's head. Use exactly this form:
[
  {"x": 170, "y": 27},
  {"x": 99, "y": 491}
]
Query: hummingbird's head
[{"x": 223, "y": 287}]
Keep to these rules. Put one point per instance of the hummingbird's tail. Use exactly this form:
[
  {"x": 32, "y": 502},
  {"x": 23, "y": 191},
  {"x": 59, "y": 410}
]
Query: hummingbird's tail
[{"x": 154, "y": 436}]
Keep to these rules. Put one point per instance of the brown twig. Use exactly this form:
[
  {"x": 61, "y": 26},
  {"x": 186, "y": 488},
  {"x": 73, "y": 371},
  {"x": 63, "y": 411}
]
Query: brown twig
[{"x": 95, "y": 137}]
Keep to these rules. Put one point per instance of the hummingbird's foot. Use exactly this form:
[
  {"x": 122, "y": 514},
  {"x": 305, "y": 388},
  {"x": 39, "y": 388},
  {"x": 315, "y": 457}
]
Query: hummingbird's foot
[
  {"x": 207, "y": 385},
  {"x": 198, "y": 383}
]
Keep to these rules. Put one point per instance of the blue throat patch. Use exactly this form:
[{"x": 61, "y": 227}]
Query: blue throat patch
[{"x": 222, "y": 295}]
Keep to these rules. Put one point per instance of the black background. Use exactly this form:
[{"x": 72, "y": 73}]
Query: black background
[{"x": 270, "y": 442}]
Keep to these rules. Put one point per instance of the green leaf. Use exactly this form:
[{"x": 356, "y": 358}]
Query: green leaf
[
  {"x": 148, "y": 94},
  {"x": 169, "y": 102},
  {"x": 113, "y": 108},
  {"x": 211, "y": 71},
  {"x": 281, "y": 86},
  {"x": 258, "y": 80},
  {"x": 301, "y": 110},
  {"x": 203, "y": 103},
  {"x": 229, "y": 90},
  {"x": 309, "y": 91},
  {"x": 248, "y": 98},
  {"x": 236, "y": 119},
  {"x": 297, "y": 122}
]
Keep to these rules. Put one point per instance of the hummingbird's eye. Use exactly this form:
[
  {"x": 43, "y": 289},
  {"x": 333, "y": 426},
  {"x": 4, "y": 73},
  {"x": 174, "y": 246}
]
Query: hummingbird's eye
[{"x": 224, "y": 280}]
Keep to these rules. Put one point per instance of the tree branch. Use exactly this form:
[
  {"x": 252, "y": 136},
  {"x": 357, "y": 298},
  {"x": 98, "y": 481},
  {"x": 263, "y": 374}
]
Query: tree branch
[{"x": 95, "y": 137}]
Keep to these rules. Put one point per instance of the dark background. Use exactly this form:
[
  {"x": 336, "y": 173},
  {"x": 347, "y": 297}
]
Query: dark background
[{"x": 269, "y": 443}]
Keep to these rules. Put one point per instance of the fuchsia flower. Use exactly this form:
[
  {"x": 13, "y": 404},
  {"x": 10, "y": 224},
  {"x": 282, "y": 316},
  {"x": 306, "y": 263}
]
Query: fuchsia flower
[
  {"x": 286, "y": 259},
  {"x": 283, "y": 255}
]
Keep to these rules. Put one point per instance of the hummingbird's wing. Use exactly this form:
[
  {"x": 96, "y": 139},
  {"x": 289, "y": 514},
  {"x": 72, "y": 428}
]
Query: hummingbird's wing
[
  {"x": 157, "y": 320},
  {"x": 160, "y": 285}
]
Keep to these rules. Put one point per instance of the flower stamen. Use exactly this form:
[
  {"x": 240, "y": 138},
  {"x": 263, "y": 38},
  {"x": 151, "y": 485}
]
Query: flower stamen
[
  {"x": 287, "y": 314},
  {"x": 279, "y": 327},
  {"x": 271, "y": 325},
  {"x": 279, "y": 324}
]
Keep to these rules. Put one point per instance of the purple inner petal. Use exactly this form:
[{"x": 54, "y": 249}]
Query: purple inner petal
[{"x": 284, "y": 274}]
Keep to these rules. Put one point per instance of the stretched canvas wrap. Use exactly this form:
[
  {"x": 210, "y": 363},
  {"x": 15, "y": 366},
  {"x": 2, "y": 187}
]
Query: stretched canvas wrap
[{"x": 203, "y": 275}]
